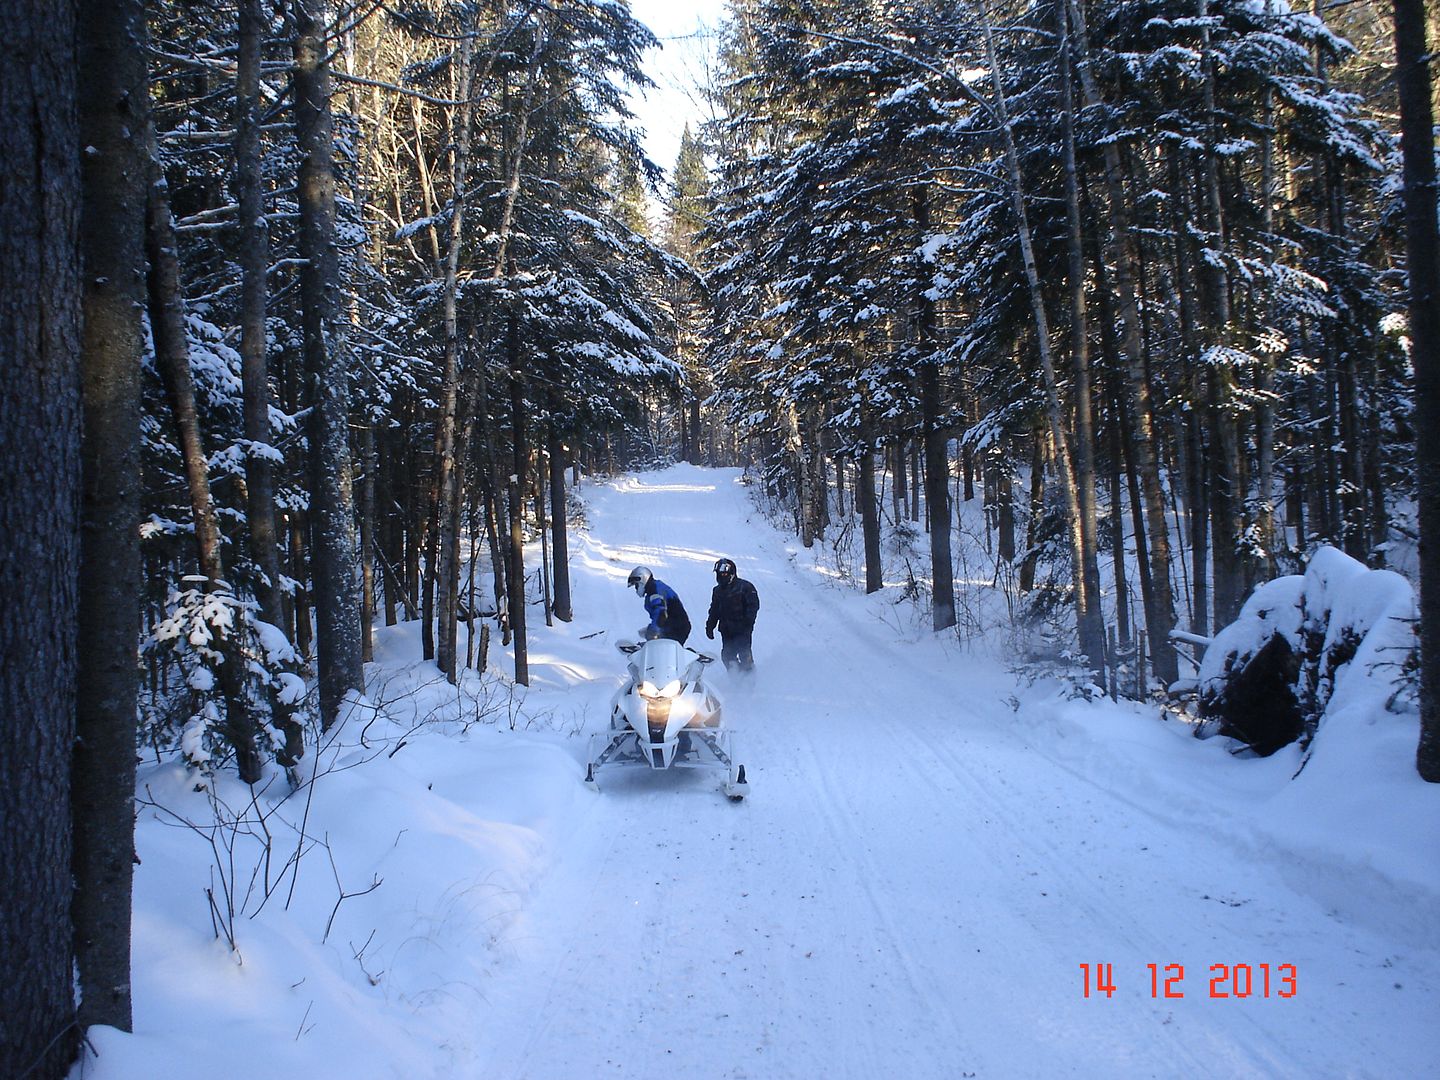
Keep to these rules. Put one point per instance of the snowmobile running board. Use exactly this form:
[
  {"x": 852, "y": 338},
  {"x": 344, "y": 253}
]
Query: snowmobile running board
[{"x": 624, "y": 748}]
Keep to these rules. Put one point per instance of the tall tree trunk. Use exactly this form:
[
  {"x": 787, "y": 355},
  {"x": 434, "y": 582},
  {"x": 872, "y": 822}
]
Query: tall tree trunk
[
  {"x": 1084, "y": 534},
  {"x": 1119, "y": 245},
  {"x": 392, "y": 540},
  {"x": 172, "y": 358},
  {"x": 368, "y": 466},
  {"x": 521, "y": 454},
  {"x": 1270, "y": 537},
  {"x": 40, "y": 474},
  {"x": 1117, "y": 536},
  {"x": 795, "y": 451},
  {"x": 1037, "y": 509},
  {"x": 559, "y": 526},
  {"x": 1086, "y": 602},
  {"x": 449, "y": 477},
  {"x": 1422, "y": 256},
  {"x": 899, "y": 506},
  {"x": 332, "y": 503},
  {"x": 114, "y": 117},
  {"x": 869, "y": 505},
  {"x": 1004, "y": 485},
  {"x": 254, "y": 257},
  {"x": 937, "y": 458},
  {"x": 1226, "y": 492},
  {"x": 1197, "y": 507}
]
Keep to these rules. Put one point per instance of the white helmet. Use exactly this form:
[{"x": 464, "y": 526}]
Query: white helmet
[{"x": 640, "y": 579}]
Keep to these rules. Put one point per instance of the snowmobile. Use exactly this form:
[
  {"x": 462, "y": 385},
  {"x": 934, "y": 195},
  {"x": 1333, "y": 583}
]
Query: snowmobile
[{"x": 664, "y": 716}]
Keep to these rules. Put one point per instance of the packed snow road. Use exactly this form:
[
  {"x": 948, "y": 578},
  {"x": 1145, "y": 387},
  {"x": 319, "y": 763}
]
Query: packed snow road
[{"x": 915, "y": 882}]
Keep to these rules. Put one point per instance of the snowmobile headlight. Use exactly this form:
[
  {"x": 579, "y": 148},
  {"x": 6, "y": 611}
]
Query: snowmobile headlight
[{"x": 669, "y": 690}]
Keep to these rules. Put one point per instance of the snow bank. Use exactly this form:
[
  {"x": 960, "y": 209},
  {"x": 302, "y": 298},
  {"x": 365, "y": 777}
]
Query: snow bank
[{"x": 419, "y": 839}]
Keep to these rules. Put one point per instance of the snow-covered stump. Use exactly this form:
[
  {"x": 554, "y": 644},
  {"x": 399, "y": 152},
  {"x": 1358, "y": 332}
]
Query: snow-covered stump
[{"x": 1307, "y": 649}]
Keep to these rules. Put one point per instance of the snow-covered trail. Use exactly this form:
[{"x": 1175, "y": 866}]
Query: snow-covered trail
[{"x": 912, "y": 886}]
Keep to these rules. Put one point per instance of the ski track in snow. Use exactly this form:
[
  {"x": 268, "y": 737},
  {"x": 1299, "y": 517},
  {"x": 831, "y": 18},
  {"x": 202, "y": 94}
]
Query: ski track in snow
[{"x": 911, "y": 887}]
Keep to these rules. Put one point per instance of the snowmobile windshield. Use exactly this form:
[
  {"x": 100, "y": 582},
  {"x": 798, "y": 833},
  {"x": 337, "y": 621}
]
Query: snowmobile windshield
[{"x": 661, "y": 661}]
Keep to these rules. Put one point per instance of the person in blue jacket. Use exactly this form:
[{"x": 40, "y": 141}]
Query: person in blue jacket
[{"x": 667, "y": 614}]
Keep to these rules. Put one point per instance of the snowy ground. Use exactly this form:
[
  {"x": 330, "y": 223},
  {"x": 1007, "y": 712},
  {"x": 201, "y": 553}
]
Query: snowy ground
[{"x": 928, "y": 857}]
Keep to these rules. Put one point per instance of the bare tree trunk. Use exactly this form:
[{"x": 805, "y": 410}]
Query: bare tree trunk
[
  {"x": 521, "y": 452},
  {"x": 332, "y": 504},
  {"x": 1004, "y": 484},
  {"x": 898, "y": 503},
  {"x": 254, "y": 258},
  {"x": 392, "y": 545},
  {"x": 368, "y": 464},
  {"x": 299, "y": 561},
  {"x": 1037, "y": 508},
  {"x": 1422, "y": 252},
  {"x": 1117, "y": 537},
  {"x": 936, "y": 441},
  {"x": 869, "y": 505},
  {"x": 1269, "y": 535},
  {"x": 1225, "y": 490},
  {"x": 40, "y": 474},
  {"x": 795, "y": 459},
  {"x": 559, "y": 526}
]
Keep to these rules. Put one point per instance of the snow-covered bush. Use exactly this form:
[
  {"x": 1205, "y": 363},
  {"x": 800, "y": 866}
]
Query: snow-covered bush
[
  {"x": 241, "y": 689},
  {"x": 1305, "y": 647}
]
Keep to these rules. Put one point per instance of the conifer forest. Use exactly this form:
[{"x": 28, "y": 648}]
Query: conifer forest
[{"x": 319, "y": 314}]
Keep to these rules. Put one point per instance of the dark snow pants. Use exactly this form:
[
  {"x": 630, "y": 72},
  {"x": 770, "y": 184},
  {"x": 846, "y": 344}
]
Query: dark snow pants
[{"x": 735, "y": 651}]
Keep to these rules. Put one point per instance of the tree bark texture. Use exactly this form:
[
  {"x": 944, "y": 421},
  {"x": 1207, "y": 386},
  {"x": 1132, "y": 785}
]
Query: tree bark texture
[
  {"x": 40, "y": 475},
  {"x": 333, "y": 559}
]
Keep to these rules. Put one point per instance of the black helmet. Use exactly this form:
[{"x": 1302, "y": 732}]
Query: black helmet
[
  {"x": 640, "y": 579},
  {"x": 724, "y": 570}
]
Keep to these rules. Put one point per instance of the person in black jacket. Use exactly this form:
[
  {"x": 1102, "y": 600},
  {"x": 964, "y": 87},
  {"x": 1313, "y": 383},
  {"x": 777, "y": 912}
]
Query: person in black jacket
[{"x": 734, "y": 603}]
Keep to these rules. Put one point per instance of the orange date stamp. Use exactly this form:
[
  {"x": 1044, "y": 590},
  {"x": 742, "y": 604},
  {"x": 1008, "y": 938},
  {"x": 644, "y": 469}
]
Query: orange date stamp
[{"x": 1237, "y": 981}]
